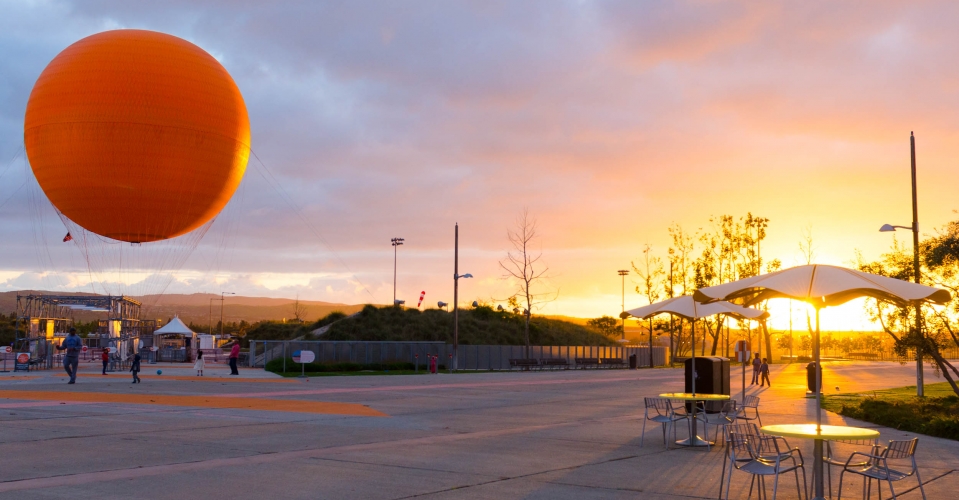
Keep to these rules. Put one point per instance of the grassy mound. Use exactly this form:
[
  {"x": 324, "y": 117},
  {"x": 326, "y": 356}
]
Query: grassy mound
[
  {"x": 477, "y": 326},
  {"x": 937, "y": 414}
]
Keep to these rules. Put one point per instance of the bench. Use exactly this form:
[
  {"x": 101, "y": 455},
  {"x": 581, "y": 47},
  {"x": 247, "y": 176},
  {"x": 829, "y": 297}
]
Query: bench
[
  {"x": 554, "y": 363},
  {"x": 523, "y": 363},
  {"x": 587, "y": 363},
  {"x": 613, "y": 363}
]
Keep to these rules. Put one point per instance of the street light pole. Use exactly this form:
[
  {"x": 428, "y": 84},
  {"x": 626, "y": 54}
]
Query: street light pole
[
  {"x": 916, "y": 270},
  {"x": 672, "y": 357},
  {"x": 211, "y": 314},
  {"x": 222, "y": 298},
  {"x": 396, "y": 242},
  {"x": 920, "y": 390},
  {"x": 622, "y": 274},
  {"x": 456, "y": 290}
]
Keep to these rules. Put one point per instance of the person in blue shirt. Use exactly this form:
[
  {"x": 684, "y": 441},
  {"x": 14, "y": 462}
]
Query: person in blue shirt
[{"x": 71, "y": 360}]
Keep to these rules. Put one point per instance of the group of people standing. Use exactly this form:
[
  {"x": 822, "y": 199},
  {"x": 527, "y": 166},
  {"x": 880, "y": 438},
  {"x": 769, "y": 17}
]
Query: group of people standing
[{"x": 73, "y": 345}]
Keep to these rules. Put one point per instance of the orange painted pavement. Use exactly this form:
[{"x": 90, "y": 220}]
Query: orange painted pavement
[
  {"x": 194, "y": 378},
  {"x": 285, "y": 405}
]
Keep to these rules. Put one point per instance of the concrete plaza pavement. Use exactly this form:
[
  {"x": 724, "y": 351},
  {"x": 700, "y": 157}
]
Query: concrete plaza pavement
[{"x": 563, "y": 434}]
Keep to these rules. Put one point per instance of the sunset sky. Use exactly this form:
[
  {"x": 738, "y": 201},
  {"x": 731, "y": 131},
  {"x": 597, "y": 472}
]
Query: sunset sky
[{"x": 609, "y": 121}]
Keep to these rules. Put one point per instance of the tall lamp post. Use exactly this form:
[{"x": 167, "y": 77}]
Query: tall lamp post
[
  {"x": 222, "y": 298},
  {"x": 396, "y": 242},
  {"x": 915, "y": 261},
  {"x": 456, "y": 288},
  {"x": 211, "y": 314},
  {"x": 622, "y": 315}
]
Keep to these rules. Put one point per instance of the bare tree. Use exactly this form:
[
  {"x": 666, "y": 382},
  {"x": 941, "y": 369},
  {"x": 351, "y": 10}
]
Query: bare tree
[
  {"x": 299, "y": 310},
  {"x": 523, "y": 264},
  {"x": 680, "y": 255},
  {"x": 651, "y": 273},
  {"x": 806, "y": 244}
]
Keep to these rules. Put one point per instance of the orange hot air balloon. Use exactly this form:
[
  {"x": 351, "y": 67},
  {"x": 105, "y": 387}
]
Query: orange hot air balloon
[{"x": 136, "y": 135}]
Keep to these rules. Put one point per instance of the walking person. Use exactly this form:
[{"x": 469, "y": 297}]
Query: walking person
[
  {"x": 105, "y": 357},
  {"x": 200, "y": 363},
  {"x": 764, "y": 373},
  {"x": 757, "y": 363},
  {"x": 135, "y": 368},
  {"x": 71, "y": 360},
  {"x": 234, "y": 358}
]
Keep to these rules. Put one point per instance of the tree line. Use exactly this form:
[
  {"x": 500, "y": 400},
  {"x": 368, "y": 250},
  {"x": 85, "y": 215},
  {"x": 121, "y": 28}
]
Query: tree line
[{"x": 729, "y": 248}]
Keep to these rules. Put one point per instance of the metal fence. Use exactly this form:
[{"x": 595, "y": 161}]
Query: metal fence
[{"x": 469, "y": 357}]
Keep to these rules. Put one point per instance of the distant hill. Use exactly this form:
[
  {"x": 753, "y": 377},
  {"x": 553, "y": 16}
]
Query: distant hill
[{"x": 196, "y": 308}]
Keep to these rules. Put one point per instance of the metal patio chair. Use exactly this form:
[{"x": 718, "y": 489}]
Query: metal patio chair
[
  {"x": 745, "y": 455},
  {"x": 831, "y": 457},
  {"x": 660, "y": 410},
  {"x": 764, "y": 446},
  {"x": 750, "y": 403},
  {"x": 877, "y": 466},
  {"x": 726, "y": 416}
]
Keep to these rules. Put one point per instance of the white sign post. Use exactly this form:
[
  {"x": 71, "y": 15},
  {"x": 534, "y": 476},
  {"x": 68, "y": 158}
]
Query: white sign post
[
  {"x": 303, "y": 357},
  {"x": 742, "y": 355}
]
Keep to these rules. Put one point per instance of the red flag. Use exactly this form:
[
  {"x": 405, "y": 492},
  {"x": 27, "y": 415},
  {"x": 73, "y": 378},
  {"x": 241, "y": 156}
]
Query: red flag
[
  {"x": 67, "y": 237},
  {"x": 422, "y": 294}
]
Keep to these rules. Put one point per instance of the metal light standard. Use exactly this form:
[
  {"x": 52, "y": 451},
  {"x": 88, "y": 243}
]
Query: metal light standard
[
  {"x": 622, "y": 313},
  {"x": 211, "y": 314},
  {"x": 672, "y": 356},
  {"x": 456, "y": 285},
  {"x": 222, "y": 298},
  {"x": 396, "y": 242},
  {"x": 915, "y": 261}
]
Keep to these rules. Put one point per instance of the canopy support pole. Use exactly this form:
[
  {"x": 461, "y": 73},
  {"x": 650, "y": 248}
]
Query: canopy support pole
[{"x": 817, "y": 465}]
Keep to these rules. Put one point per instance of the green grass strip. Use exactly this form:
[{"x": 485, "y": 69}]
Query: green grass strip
[{"x": 936, "y": 414}]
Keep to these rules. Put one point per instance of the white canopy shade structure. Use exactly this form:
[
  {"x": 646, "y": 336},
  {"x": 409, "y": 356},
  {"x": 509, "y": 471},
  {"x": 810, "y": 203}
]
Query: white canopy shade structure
[
  {"x": 686, "y": 307},
  {"x": 176, "y": 326},
  {"x": 822, "y": 286}
]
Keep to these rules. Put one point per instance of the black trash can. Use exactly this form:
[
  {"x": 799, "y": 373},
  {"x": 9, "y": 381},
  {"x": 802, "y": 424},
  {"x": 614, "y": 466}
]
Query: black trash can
[
  {"x": 811, "y": 379},
  {"x": 632, "y": 362},
  {"x": 712, "y": 377}
]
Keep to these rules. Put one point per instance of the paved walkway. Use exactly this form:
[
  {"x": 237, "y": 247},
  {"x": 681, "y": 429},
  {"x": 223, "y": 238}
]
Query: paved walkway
[{"x": 564, "y": 434}]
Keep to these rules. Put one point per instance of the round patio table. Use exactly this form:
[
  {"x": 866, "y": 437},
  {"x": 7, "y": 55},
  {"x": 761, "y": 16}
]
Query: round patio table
[
  {"x": 826, "y": 433},
  {"x": 694, "y": 439}
]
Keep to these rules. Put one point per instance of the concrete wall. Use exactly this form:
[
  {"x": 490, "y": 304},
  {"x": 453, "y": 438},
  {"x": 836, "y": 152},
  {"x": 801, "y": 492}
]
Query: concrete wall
[{"x": 470, "y": 357}]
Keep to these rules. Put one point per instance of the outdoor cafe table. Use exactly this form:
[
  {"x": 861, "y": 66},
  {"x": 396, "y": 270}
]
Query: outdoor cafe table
[
  {"x": 694, "y": 439},
  {"x": 826, "y": 433}
]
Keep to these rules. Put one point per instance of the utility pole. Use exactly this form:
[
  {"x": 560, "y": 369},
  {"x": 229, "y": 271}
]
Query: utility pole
[
  {"x": 622, "y": 315},
  {"x": 396, "y": 242},
  {"x": 920, "y": 390},
  {"x": 211, "y": 315},
  {"x": 222, "y": 298},
  {"x": 672, "y": 356},
  {"x": 456, "y": 291},
  {"x": 456, "y": 296},
  {"x": 916, "y": 269}
]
